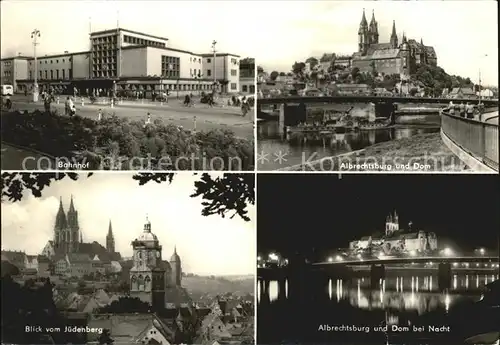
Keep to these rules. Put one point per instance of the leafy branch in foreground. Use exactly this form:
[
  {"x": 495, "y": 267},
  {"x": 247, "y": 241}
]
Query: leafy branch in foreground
[
  {"x": 14, "y": 184},
  {"x": 222, "y": 194},
  {"x": 231, "y": 192}
]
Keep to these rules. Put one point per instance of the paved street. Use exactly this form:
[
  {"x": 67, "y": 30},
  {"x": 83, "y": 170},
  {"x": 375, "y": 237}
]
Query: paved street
[
  {"x": 206, "y": 118},
  {"x": 13, "y": 157}
]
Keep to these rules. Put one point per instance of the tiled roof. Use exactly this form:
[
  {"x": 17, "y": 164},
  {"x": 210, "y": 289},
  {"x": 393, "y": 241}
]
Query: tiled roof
[
  {"x": 43, "y": 258},
  {"x": 376, "y": 46},
  {"x": 128, "y": 327},
  {"x": 15, "y": 258}
]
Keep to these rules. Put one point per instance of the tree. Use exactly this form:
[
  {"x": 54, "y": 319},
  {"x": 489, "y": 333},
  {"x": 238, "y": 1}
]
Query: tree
[
  {"x": 125, "y": 305},
  {"x": 282, "y": 74},
  {"x": 247, "y": 61},
  {"x": 260, "y": 69},
  {"x": 298, "y": 68},
  {"x": 314, "y": 77},
  {"x": 354, "y": 72},
  {"x": 374, "y": 69},
  {"x": 220, "y": 195},
  {"x": 274, "y": 75},
  {"x": 313, "y": 62}
]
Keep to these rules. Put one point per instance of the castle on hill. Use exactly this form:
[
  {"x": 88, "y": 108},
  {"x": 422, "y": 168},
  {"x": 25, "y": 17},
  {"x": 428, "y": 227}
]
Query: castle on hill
[
  {"x": 396, "y": 239},
  {"x": 398, "y": 56},
  {"x": 68, "y": 242}
]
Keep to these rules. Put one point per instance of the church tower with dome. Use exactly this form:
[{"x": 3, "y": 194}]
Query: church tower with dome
[{"x": 152, "y": 279}]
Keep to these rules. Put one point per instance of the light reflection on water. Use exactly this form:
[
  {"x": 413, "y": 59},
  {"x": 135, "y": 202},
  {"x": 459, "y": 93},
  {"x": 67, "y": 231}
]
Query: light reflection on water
[
  {"x": 270, "y": 142},
  {"x": 415, "y": 293}
]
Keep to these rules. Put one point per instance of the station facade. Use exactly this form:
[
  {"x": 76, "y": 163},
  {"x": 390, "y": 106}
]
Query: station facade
[{"x": 126, "y": 61}]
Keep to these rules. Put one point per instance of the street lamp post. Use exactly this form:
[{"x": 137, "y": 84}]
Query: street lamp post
[
  {"x": 199, "y": 76},
  {"x": 214, "y": 42},
  {"x": 482, "y": 56},
  {"x": 35, "y": 34}
]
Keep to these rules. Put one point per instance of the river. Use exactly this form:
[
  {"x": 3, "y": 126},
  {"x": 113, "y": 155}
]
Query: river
[
  {"x": 413, "y": 301},
  {"x": 277, "y": 153}
]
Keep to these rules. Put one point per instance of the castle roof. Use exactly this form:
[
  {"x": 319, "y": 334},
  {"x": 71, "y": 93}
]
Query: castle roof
[
  {"x": 79, "y": 258},
  {"x": 95, "y": 248},
  {"x": 374, "y": 53}
]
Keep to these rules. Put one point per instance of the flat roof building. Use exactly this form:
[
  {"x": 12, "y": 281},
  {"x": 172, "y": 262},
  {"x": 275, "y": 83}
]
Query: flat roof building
[{"x": 125, "y": 60}]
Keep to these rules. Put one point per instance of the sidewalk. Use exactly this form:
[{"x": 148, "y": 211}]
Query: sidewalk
[{"x": 221, "y": 102}]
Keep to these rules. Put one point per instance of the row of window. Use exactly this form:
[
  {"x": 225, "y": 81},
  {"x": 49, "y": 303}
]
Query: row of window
[
  {"x": 170, "y": 66},
  {"x": 52, "y": 61},
  {"x": 53, "y": 75},
  {"x": 142, "y": 41},
  {"x": 105, "y": 39},
  {"x": 245, "y": 88},
  {"x": 104, "y": 47}
]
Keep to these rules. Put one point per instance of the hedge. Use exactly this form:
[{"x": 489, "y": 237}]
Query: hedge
[{"x": 118, "y": 143}]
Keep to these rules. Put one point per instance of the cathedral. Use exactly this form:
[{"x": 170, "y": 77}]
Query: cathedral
[
  {"x": 397, "y": 240},
  {"x": 394, "y": 57},
  {"x": 152, "y": 279},
  {"x": 68, "y": 238}
]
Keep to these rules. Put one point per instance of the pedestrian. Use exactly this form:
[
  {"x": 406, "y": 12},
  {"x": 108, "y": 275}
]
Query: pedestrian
[
  {"x": 46, "y": 103},
  {"x": 462, "y": 109},
  {"x": 469, "y": 108},
  {"x": 69, "y": 107},
  {"x": 148, "y": 120},
  {"x": 99, "y": 115}
]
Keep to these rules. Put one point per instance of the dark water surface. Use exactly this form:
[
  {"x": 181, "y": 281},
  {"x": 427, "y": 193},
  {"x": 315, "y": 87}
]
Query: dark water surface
[
  {"x": 402, "y": 301},
  {"x": 270, "y": 142}
]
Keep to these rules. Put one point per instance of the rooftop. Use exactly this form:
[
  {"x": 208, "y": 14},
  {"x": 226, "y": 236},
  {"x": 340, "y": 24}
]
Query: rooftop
[{"x": 109, "y": 31}]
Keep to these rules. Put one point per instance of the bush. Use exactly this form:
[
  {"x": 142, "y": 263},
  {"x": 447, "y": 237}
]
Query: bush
[{"x": 118, "y": 143}]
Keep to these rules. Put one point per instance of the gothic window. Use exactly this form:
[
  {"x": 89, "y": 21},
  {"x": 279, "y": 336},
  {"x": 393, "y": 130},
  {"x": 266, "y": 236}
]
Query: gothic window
[
  {"x": 147, "y": 283},
  {"x": 140, "y": 283},
  {"x": 139, "y": 255}
]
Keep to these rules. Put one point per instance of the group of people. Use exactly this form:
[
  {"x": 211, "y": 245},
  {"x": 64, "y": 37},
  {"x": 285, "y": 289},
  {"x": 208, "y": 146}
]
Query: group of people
[{"x": 464, "y": 110}]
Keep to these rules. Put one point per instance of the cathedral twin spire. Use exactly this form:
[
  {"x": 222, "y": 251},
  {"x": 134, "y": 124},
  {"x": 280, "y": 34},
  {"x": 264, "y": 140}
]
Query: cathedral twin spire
[
  {"x": 67, "y": 235},
  {"x": 368, "y": 34}
]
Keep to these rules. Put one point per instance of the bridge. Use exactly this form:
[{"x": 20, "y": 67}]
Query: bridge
[
  {"x": 409, "y": 260},
  {"x": 475, "y": 142},
  {"x": 370, "y": 99},
  {"x": 444, "y": 266}
]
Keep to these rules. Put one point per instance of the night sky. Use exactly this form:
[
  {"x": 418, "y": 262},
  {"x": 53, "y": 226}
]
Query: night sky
[{"x": 298, "y": 212}]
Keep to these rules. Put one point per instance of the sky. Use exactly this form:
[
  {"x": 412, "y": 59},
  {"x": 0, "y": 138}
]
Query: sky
[
  {"x": 462, "y": 32},
  {"x": 64, "y": 25},
  {"x": 301, "y": 212},
  {"x": 207, "y": 245}
]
